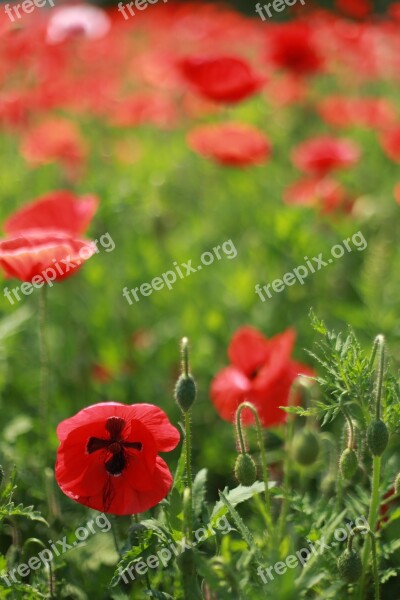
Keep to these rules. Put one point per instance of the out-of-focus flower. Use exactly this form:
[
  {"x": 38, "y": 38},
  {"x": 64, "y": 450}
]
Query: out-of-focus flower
[
  {"x": 357, "y": 9},
  {"x": 377, "y": 113},
  {"x": 31, "y": 254},
  {"x": 390, "y": 141},
  {"x": 153, "y": 109},
  {"x": 54, "y": 140},
  {"x": 222, "y": 78},
  {"x": 100, "y": 373},
  {"x": 108, "y": 457},
  {"x": 286, "y": 90},
  {"x": 233, "y": 144},
  {"x": 325, "y": 194},
  {"x": 59, "y": 211},
  {"x": 261, "y": 371},
  {"x": 69, "y": 21},
  {"x": 292, "y": 47},
  {"x": 321, "y": 155}
]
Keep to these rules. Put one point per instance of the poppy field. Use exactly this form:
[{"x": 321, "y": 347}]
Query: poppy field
[{"x": 199, "y": 316}]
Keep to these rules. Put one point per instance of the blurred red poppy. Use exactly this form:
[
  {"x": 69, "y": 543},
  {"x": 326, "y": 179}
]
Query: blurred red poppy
[
  {"x": 357, "y": 9},
  {"x": 140, "y": 109},
  {"x": 36, "y": 253},
  {"x": 232, "y": 144},
  {"x": 321, "y": 155},
  {"x": 326, "y": 194},
  {"x": 54, "y": 140},
  {"x": 222, "y": 78},
  {"x": 56, "y": 211},
  {"x": 363, "y": 112},
  {"x": 390, "y": 141},
  {"x": 293, "y": 47},
  {"x": 262, "y": 372},
  {"x": 108, "y": 457}
]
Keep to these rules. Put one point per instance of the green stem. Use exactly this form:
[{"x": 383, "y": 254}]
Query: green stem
[
  {"x": 350, "y": 441},
  {"x": 372, "y": 540},
  {"x": 372, "y": 521},
  {"x": 260, "y": 439},
  {"x": 287, "y": 462},
  {"x": 380, "y": 340},
  {"x": 44, "y": 358},
  {"x": 189, "y": 482}
]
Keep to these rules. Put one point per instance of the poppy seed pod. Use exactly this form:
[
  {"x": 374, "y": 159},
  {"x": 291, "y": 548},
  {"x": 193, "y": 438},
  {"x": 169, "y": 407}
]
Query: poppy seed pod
[
  {"x": 350, "y": 566},
  {"x": 245, "y": 469},
  {"x": 348, "y": 463},
  {"x": 305, "y": 447},
  {"x": 185, "y": 392},
  {"x": 377, "y": 437}
]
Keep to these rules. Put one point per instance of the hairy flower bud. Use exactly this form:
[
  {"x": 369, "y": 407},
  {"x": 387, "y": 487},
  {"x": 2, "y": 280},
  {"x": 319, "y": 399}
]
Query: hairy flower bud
[
  {"x": 397, "y": 484},
  {"x": 377, "y": 437},
  {"x": 305, "y": 447},
  {"x": 350, "y": 566},
  {"x": 245, "y": 469},
  {"x": 185, "y": 392},
  {"x": 348, "y": 463}
]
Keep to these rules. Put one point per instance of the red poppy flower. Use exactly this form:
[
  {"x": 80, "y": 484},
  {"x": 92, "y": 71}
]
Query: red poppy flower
[
  {"x": 364, "y": 112},
  {"x": 232, "y": 144},
  {"x": 222, "y": 78},
  {"x": 292, "y": 46},
  {"x": 108, "y": 457},
  {"x": 390, "y": 141},
  {"x": 54, "y": 140},
  {"x": 56, "y": 211},
  {"x": 52, "y": 256},
  {"x": 326, "y": 194},
  {"x": 261, "y": 372},
  {"x": 321, "y": 155},
  {"x": 357, "y": 9}
]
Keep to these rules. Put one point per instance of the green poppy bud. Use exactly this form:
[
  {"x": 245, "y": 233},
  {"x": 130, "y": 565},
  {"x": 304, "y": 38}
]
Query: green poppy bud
[
  {"x": 350, "y": 566},
  {"x": 305, "y": 447},
  {"x": 245, "y": 469},
  {"x": 185, "y": 392},
  {"x": 348, "y": 463},
  {"x": 377, "y": 437}
]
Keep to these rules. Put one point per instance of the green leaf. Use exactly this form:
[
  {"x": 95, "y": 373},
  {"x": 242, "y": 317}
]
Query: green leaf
[
  {"x": 12, "y": 510},
  {"x": 199, "y": 492},
  {"x": 239, "y": 494},
  {"x": 244, "y": 530}
]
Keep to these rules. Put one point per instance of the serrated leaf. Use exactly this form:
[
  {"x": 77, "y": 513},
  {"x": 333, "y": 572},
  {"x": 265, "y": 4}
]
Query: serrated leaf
[
  {"x": 199, "y": 492},
  {"x": 12, "y": 510},
  {"x": 242, "y": 527}
]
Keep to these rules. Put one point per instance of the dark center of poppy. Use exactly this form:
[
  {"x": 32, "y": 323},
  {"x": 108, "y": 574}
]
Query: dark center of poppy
[
  {"x": 115, "y": 445},
  {"x": 254, "y": 373}
]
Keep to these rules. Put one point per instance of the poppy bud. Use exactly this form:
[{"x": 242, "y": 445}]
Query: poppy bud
[
  {"x": 350, "y": 566},
  {"x": 348, "y": 463},
  {"x": 397, "y": 484},
  {"x": 305, "y": 447},
  {"x": 377, "y": 437},
  {"x": 245, "y": 469},
  {"x": 185, "y": 392}
]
